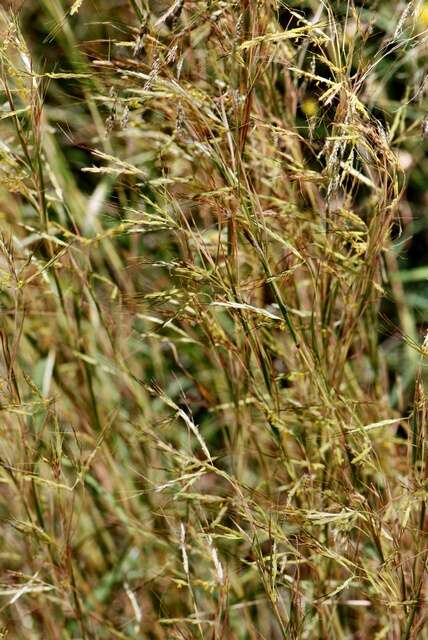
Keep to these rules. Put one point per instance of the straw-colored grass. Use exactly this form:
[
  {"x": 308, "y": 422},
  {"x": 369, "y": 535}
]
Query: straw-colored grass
[{"x": 212, "y": 353}]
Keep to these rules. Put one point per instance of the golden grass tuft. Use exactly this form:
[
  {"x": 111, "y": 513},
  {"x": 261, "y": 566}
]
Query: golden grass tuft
[{"x": 212, "y": 375}]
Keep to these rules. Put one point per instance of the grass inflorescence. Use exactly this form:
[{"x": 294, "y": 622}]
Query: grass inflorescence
[{"x": 213, "y": 316}]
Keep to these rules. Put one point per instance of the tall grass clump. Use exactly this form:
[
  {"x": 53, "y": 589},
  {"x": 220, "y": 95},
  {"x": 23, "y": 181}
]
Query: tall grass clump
[{"x": 213, "y": 313}]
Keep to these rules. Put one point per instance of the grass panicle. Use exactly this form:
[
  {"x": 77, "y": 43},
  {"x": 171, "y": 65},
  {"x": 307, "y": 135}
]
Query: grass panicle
[{"x": 213, "y": 317}]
